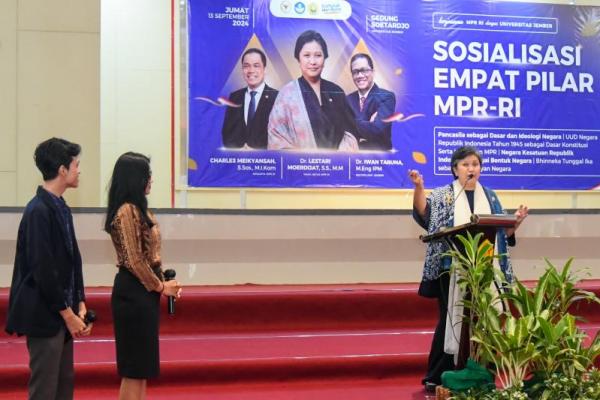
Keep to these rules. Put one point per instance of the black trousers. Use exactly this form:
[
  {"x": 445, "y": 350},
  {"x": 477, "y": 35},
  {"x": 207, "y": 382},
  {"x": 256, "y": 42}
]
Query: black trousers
[
  {"x": 51, "y": 365},
  {"x": 439, "y": 361}
]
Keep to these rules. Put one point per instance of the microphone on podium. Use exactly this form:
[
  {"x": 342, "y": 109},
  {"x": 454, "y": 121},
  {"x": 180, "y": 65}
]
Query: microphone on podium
[
  {"x": 462, "y": 189},
  {"x": 90, "y": 317},
  {"x": 170, "y": 275}
]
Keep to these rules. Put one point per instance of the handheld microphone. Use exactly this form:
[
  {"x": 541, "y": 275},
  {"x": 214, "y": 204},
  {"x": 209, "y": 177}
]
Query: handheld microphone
[
  {"x": 170, "y": 275},
  {"x": 462, "y": 189},
  {"x": 90, "y": 317}
]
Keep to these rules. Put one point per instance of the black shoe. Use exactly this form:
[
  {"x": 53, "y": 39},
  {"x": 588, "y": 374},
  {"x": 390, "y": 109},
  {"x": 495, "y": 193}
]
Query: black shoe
[{"x": 430, "y": 387}]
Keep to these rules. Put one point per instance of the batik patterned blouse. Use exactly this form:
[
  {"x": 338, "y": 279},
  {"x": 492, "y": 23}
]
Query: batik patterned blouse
[{"x": 138, "y": 245}]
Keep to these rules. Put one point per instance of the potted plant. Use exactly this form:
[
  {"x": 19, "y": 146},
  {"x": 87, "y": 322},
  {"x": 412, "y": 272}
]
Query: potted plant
[{"x": 527, "y": 337}]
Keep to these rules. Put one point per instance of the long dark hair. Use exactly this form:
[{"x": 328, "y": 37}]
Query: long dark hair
[{"x": 128, "y": 185}]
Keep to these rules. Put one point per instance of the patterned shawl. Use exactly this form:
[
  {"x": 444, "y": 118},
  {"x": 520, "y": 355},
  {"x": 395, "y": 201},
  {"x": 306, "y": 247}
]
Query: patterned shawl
[{"x": 290, "y": 125}]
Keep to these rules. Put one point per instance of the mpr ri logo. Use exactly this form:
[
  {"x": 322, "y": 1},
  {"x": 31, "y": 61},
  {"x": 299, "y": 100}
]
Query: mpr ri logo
[{"x": 285, "y": 6}]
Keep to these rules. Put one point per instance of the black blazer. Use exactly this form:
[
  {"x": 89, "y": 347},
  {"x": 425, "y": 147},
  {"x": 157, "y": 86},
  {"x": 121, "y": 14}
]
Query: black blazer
[
  {"x": 376, "y": 135},
  {"x": 235, "y": 132},
  {"x": 44, "y": 265},
  {"x": 336, "y": 109}
]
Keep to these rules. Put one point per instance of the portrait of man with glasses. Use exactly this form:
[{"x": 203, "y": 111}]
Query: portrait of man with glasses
[{"x": 371, "y": 105}]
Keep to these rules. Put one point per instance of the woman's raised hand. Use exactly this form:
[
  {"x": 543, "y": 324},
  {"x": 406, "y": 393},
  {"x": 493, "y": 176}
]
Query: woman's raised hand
[{"x": 415, "y": 177}]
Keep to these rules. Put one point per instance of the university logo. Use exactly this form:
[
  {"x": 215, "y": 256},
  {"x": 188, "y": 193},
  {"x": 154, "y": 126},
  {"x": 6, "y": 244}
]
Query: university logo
[{"x": 299, "y": 7}]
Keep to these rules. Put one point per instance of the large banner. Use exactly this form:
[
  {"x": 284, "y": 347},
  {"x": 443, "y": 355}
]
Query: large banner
[{"x": 518, "y": 81}]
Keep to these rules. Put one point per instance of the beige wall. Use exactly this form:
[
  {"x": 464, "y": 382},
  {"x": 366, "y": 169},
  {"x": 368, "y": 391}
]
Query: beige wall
[
  {"x": 8, "y": 102},
  {"x": 135, "y": 87},
  {"x": 366, "y": 199},
  {"x": 49, "y": 74},
  {"x": 213, "y": 249}
]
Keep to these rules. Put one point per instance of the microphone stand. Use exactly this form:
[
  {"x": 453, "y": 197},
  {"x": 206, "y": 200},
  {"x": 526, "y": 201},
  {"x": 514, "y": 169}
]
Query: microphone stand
[{"x": 462, "y": 189}]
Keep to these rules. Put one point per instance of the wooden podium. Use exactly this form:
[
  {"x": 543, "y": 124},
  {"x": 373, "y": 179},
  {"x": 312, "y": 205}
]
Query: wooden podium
[
  {"x": 485, "y": 223},
  {"x": 488, "y": 224}
]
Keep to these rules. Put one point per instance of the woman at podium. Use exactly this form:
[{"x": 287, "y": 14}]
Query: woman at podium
[{"x": 445, "y": 207}]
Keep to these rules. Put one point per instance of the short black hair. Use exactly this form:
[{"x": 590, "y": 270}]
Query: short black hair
[
  {"x": 307, "y": 37},
  {"x": 52, "y": 153},
  {"x": 257, "y": 51},
  {"x": 362, "y": 55},
  {"x": 461, "y": 153}
]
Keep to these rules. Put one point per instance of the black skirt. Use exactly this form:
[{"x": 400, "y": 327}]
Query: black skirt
[{"x": 136, "y": 318}]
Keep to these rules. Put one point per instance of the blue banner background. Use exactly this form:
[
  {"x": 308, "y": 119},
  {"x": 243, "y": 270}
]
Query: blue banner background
[{"x": 566, "y": 123}]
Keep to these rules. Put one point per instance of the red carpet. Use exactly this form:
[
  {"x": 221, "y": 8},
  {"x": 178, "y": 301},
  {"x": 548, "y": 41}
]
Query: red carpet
[
  {"x": 275, "y": 342},
  {"x": 355, "y": 389}
]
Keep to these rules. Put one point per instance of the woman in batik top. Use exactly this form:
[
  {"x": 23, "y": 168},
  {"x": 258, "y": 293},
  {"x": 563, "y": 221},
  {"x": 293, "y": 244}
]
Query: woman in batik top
[{"x": 139, "y": 282}]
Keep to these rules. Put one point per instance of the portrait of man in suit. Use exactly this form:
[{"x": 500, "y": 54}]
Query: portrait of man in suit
[
  {"x": 371, "y": 105},
  {"x": 246, "y": 126}
]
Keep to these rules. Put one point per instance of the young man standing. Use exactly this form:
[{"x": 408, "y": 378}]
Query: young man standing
[{"x": 47, "y": 300}]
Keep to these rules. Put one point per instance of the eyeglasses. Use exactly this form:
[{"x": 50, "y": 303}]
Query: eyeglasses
[{"x": 364, "y": 71}]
